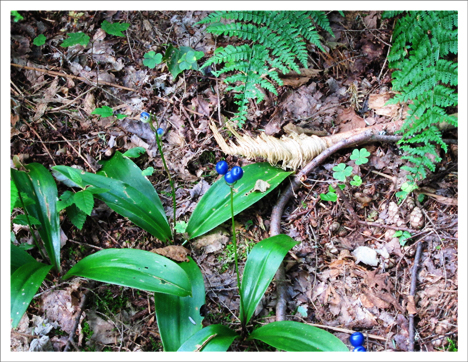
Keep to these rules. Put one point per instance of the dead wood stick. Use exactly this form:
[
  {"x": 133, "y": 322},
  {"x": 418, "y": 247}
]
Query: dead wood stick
[
  {"x": 348, "y": 205},
  {"x": 277, "y": 212},
  {"x": 78, "y": 317},
  {"x": 414, "y": 278}
]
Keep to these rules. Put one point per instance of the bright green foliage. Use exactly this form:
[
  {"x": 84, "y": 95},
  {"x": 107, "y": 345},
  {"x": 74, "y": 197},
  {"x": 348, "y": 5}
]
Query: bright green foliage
[
  {"x": 406, "y": 189},
  {"x": 276, "y": 41},
  {"x": 330, "y": 195},
  {"x": 357, "y": 181},
  {"x": 104, "y": 111},
  {"x": 114, "y": 28},
  {"x": 16, "y": 16},
  {"x": 425, "y": 74},
  {"x": 403, "y": 236},
  {"x": 134, "y": 152},
  {"x": 180, "y": 59},
  {"x": 342, "y": 171},
  {"x": 360, "y": 156},
  {"x": 25, "y": 220},
  {"x": 151, "y": 59},
  {"x": 147, "y": 171},
  {"x": 39, "y": 40},
  {"x": 75, "y": 39}
]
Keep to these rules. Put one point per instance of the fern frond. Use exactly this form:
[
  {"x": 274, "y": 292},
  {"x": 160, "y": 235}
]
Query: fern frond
[{"x": 320, "y": 18}]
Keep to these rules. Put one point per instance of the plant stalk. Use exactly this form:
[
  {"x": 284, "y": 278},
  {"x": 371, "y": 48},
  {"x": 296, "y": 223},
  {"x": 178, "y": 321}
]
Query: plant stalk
[{"x": 174, "y": 205}]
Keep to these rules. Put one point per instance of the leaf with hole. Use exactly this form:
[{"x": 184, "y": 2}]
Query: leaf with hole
[
  {"x": 360, "y": 156},
  {"x": 134, "y": 268},
  {"x": 104, "y": 111},
  {"x": 298, "y": 337},
  {"x": 151, "y": 59},
  {"x": 114, "y": 28},
  {"x": 214, "y": 207},
  {"x": 179, "y": 317},
  {"x": 75, "y": 39},
  {"x": 262, "y": 263}
]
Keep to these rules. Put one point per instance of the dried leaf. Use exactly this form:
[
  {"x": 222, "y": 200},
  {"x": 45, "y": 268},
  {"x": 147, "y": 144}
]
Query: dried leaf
[
  {"x": 173, "y": 252},
  {"x": 411, "y": 307},
  {"x": 366, "y": 255}
]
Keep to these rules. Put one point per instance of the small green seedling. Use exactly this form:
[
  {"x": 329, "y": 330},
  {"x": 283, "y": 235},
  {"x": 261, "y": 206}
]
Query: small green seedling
[
  {"x": 134, "y": 152},
  {"x": 114, "y": 28},
  {"x": 39, "y": 40},
  {"x": 342, "y": 171},
  {"x": 180, "y": 227},
  {"x": 104, "y": 111},
  {"x": 75, "y": 39},
  {"x": 406, "y": 189},
  {"x": 330, "y": 195},
  {"x": 148, "y": 172},
  {"x": 151, "y": 59},
  {"x": 403, "y": 236},
  {"x": 16, "y": 16},
  {"x": 357, "y": 181}
]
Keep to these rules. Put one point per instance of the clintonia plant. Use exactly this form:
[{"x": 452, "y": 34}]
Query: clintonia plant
[{"x": 178, "y": 288}]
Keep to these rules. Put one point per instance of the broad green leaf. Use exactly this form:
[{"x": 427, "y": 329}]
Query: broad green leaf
[
  {"x": 179, "y": 317},
  {"x": 214, "y": 207},
  {"x": 75, "y": 39},
  {"x": 13, "y": 196},
  {"x": 134, "y": 268},
  {"x": 84, "y": 200},
  {"x": 66, "y": 200},
  {"x": 96, "y": 190},
  {"x": 75, "y": 176},
  {"x": 76, "y": 216},
  {"x": 298, "y": 337},
  {"x": 23, "y": 220},
  {"x": 134, "y": 152},
  {"x": 214, "y": 338},
  {"x": 39, "y": 40},
  {"x": 114, "y": 28},
  {"x": 342, "y": 171},
  {"x": 25, "y": 282},
  {"x": 262, "y": 263},
  {"x": 330, "y": 196},
  {"x": 180, "y": 227},
  {"x": 360, "y": 156},
  {"x": 18, "y": 257},
  {"x": 40, "y": 186},
  {"x": 131, "y": 194},
  {"x": 151, "y": 59},
  {"x": 104, "y": 111}
]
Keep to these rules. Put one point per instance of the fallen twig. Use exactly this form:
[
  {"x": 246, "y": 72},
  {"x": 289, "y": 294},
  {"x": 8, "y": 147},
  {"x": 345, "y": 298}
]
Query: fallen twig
[
  {"x": 414, "y": 274},
  {"x": 78, "y": 317}
]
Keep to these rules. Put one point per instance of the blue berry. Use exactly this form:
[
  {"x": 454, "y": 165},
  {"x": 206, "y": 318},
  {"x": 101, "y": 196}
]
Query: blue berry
[
  {"x": 229, "y": 178},
  {"x": 359, "y": 349},
  {"x": 356, "y": 339},
  {"x": 222, "y": 167},
  {"x": 145, "y": 117},
  {"x": 160, "y": 131},
  {"x": 237, "y": 173}
]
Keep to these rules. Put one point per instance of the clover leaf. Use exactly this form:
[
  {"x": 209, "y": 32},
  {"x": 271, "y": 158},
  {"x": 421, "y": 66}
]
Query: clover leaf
[
  {"x": 114, "y": 28},
  {"x": 39, "y": 40},
  {"x": 151, "y": 59},
  {"x": 357, "y": 181},
  {"x": 342, "y": 171},
  {"x": 75, "y": 39},
  {"x": 360, "y": 156},
  {"x": 103, "y": 112},
  {"x": 403, "y": 236}
]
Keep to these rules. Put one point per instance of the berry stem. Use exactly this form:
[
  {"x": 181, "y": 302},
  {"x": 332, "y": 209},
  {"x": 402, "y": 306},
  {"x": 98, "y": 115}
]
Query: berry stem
[{"x": 158, "y": 141}]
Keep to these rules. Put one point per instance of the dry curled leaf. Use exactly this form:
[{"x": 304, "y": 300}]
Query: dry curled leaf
[{"x": 173, "y": 252}]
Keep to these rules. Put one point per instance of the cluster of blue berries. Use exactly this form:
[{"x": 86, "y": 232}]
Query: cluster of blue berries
[
  {"x": 357, "y": 340},
  {"x": 145, "y": 117},
  {"x": 229, "y": 176}
]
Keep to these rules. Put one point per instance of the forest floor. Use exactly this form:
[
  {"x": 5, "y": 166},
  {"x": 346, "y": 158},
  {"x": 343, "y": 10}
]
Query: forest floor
[{"x": 329, "y": 283}]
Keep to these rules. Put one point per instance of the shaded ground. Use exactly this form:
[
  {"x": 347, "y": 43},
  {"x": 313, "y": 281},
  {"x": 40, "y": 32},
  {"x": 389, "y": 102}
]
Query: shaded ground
[{"x": 329, "y": 285}]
